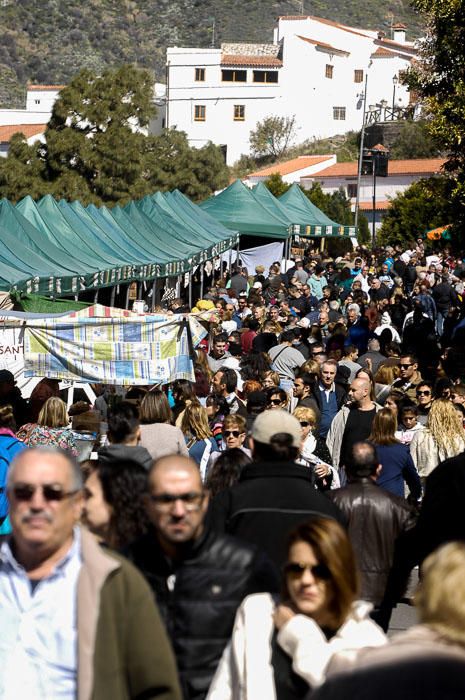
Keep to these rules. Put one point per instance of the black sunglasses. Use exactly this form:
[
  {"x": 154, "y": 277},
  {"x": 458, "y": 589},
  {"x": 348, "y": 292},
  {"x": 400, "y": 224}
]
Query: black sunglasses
[
  {"x": 406, "y": 366},
  {"x": 423, "y": 393},
  {"x": 276, "y": 402},
  {"x": 297, "y": 569},
  {"x": 51, "y": 492},
  {"x": 304, "y": 423},
  {"x": 234, "y": 433}
]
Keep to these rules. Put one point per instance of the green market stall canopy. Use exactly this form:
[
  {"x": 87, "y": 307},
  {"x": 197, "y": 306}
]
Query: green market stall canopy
[
  {"x": 57, "y": 248},
  {"x": 258, "y": 212},
  {"x": 317, "y": 223}
]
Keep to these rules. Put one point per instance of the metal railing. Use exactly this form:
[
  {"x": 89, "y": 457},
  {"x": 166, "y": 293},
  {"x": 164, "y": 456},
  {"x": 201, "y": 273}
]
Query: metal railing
[{"x": 378, "y": 114}]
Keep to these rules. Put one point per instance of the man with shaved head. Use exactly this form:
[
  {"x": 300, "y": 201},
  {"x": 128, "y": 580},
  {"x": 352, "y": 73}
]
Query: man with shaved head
[
  {"x": 199, "y": 577},
  {"x": 352, "y": 423}
]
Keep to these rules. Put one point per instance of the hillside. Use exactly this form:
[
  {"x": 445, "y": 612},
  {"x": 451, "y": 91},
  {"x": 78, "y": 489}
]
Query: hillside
[{"x": 48, "y": 42}]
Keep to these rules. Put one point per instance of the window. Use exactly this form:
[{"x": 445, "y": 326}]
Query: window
[
  {"x": 265, "y": 76},
  {"x": 358, "y": 76},
  {"x": 200, "y": 113},
  {"x": 234, "y": 76},
  {"x": 352, "y": 190},
  {"x": 239, "y": 113},
  {"x": 339, "y": 113},
  {"x": 200, "y": 75},
  {"x": 329, "y": 70}
]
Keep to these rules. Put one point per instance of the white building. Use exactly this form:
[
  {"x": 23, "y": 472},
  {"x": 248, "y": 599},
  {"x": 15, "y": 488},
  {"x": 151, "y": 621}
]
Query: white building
[{"x": 315, "y": 69}]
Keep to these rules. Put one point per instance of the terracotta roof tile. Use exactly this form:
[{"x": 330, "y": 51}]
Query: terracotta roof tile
[
  {"x": 421, "y": 166},
  {"x": 330, "y": 22},
  {"x": 323, "y": 45},
  {"x": 6, "y": 132},
  {"x": 379, "y": 206},
  {"x": 236, "y": 60},
  {"x": 45, "y": 87},
  {"x": 389, "y": 43},
  {"x": 290, "y": 166},
  {"x": 383, "y": 53}
]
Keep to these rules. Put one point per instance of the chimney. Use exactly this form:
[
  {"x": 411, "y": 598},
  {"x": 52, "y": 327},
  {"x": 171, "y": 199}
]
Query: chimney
[{"x": 398, "y": 33}]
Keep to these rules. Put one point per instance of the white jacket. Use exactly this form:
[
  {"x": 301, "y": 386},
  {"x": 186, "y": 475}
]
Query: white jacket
[
  {"x": 426, "y": 453},
  {"x": 245, "y": 671}
]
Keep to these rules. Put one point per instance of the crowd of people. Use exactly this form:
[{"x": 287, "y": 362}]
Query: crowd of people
[{"x": 247, "y": 535}]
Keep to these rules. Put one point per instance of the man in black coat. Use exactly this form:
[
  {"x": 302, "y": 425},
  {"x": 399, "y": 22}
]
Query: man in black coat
[
  {"x": 274, "y": 494},
  {"x": 199, "y": 577},
  {"x": 375, "y": 519}
]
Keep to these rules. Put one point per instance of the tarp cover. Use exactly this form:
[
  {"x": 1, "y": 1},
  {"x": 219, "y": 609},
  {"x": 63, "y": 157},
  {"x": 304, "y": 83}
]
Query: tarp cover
[
  {"x": 237, "y": 208},
  {"x": 99, "y": 344},
  {"x": 60, "y": 248},
  {"x": 317, "y": 223}
]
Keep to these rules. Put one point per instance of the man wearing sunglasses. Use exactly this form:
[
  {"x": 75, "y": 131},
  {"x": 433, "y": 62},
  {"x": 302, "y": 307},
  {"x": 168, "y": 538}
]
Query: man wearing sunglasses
[
  {"x": 199, "y": 576},
  {"x": 76, "y": 621},
  {"x": 409, "y": 378}
]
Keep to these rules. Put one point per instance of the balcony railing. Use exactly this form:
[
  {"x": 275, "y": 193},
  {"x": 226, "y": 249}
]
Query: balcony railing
[{"x": 377, "y": 114}]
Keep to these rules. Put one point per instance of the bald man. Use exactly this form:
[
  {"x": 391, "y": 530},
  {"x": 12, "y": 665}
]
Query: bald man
[
  {"x": 352, "y": 423},
  {"x": 199, "y": 577}
]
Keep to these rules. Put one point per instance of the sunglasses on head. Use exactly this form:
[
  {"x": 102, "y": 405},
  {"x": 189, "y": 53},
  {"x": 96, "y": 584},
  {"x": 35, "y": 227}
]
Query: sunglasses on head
[
  {"x": 297, "y": 569},
  {"x": 233, "y": 433},
  {"x": 50, "y": 492}
]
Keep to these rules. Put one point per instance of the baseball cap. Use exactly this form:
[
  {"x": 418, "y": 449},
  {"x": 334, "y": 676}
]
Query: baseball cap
[
  {"x": 6, "y": 376},
  {"x": 269, "y": 423}
]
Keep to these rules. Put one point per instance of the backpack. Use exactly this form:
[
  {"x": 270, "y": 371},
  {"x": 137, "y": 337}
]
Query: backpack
[{"x": 9, "y": 447}]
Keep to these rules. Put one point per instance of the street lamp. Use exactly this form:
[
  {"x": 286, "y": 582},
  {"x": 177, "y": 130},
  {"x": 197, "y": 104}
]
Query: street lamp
[{"x": 395, "y": 80}]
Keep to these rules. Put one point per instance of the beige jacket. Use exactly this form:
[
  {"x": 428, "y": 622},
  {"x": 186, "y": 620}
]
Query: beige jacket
[{"x": 123, "y": 649}]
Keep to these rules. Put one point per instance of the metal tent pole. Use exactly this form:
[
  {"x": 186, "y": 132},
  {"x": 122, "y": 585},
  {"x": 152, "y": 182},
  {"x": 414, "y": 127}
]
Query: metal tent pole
[
  {"x": 112, "y": 296},
  {"x": 190, "y": 289},
  {"x": 201, "y": 280}
]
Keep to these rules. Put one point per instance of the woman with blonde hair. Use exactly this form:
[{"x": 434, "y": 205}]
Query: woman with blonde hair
[
  {"x": 51, "y": 429},
  {"x": 314, "y": 452},
  {"x": 198, "y": 435},
  {"x": 286, "y": 648},
  {"x": 398, "y": 468},
  {"x": 443, "y": 437},
  {"x": 157, "y": 434}
]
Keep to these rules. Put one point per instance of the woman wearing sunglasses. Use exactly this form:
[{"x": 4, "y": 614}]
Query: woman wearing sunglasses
[
  {"x": 277, "y": 399},
  {"x": 314, "y": 452},
  {"x": 282, "y": 649}
]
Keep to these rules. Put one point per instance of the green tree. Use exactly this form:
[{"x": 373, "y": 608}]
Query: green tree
[
  {"x": 439, "y": 79},
  {"x": 276, "y": 185},
  {"x": 421, "y": 207},
  {"x": 171, "y": 163},
  {"x": 96, "y": 149},
  {"x": 273, "y": 136},
  {"x": 414, "y": 141}
]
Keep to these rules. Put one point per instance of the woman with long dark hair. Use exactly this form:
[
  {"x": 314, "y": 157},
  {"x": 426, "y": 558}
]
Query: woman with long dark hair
[
  {"x": 114, "y": 508},
  {"x": 285, "y": 648}
]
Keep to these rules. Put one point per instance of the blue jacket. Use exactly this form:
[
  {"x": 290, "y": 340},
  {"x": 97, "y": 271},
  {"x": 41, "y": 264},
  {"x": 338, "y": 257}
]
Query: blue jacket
[{"x": 397, "y": 468}]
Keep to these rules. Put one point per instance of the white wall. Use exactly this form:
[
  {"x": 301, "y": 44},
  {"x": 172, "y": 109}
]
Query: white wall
[
  {"x": 219, "y": 99},
  {"x": 302, "y": 89}
]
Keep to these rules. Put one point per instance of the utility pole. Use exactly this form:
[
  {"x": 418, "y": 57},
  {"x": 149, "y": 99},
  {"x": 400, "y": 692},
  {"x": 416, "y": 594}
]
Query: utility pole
[{"x": 360, "y": 158}]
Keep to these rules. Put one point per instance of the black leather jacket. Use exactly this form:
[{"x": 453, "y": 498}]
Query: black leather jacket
[
  {"x": 198, "y": 597},
  {"x": 375, "y": 519}
]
